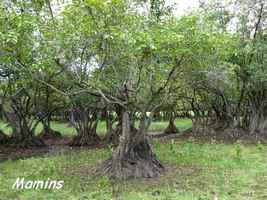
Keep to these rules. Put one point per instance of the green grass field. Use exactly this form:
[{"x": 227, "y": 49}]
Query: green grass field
[{"x": 193, "y": 172}]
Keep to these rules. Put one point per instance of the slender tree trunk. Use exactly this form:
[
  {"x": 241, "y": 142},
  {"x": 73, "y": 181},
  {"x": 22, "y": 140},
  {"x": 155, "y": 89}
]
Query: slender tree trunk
[
  {"x": 171, "y": 128},
  {"x": 48, "y": 132},
  {"x": 110, "y": 134},
  {"x": 3, "y": 137},
  {"x": 113, "y": 135},
  {"x": 134, "y": 156},
  {"x": 109, "y": 126}
]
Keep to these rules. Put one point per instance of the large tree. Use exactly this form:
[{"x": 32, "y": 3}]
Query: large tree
[
  {"x": 132, "y": 62},
  {"x": 28, "y": 54}
]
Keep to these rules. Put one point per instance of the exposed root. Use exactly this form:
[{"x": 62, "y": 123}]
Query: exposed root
[
  {"x": 86, "y": 140},
  {"x": 134, "y": 157},
  {"x": 132, "y": 169},
  {"x": 139, "y": 161},
  {"x": 171, "y": 129},
  {"x": 50, "y": 134}
]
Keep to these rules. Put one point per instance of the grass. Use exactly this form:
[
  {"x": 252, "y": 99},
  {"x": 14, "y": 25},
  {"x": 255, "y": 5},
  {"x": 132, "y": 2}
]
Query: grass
[
  {"x": 194, "y": 172},
  {"x": 101, "y": 128}
]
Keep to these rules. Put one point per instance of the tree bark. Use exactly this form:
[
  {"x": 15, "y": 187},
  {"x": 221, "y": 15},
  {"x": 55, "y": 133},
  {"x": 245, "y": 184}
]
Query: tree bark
[
  {"x": 134, "y": 156},
  {"x": 85, "y": 123},
  {"x": 86, "y": 137},
  {"x": 171, "y": 127},
  {"x": 110, "y": 130},
  {"x": 22, "y": 135},
  {"x": 3, "y": 137},
  {"x": 258, "y": 124},
  {"x": 112, "y": 136},
  {"x": 48, "y": 132},
  {"x": 257, "y": 117}
]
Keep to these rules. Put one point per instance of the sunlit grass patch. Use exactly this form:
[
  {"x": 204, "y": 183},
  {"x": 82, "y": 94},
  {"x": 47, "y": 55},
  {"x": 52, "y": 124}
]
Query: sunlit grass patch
[
  {"x": 193, "y": 171},
  {"x": 67, "y": 130}
]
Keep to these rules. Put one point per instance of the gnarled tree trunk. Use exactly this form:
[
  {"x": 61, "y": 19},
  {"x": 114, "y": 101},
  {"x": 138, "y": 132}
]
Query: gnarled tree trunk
[
  {"x": 257, "y": 114},
  {"x": 258, "y": 123},
  {"x": 85, "y": 122},
  {"x": 22, "y": 135},
  {"x": 134, "y": 156}
]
